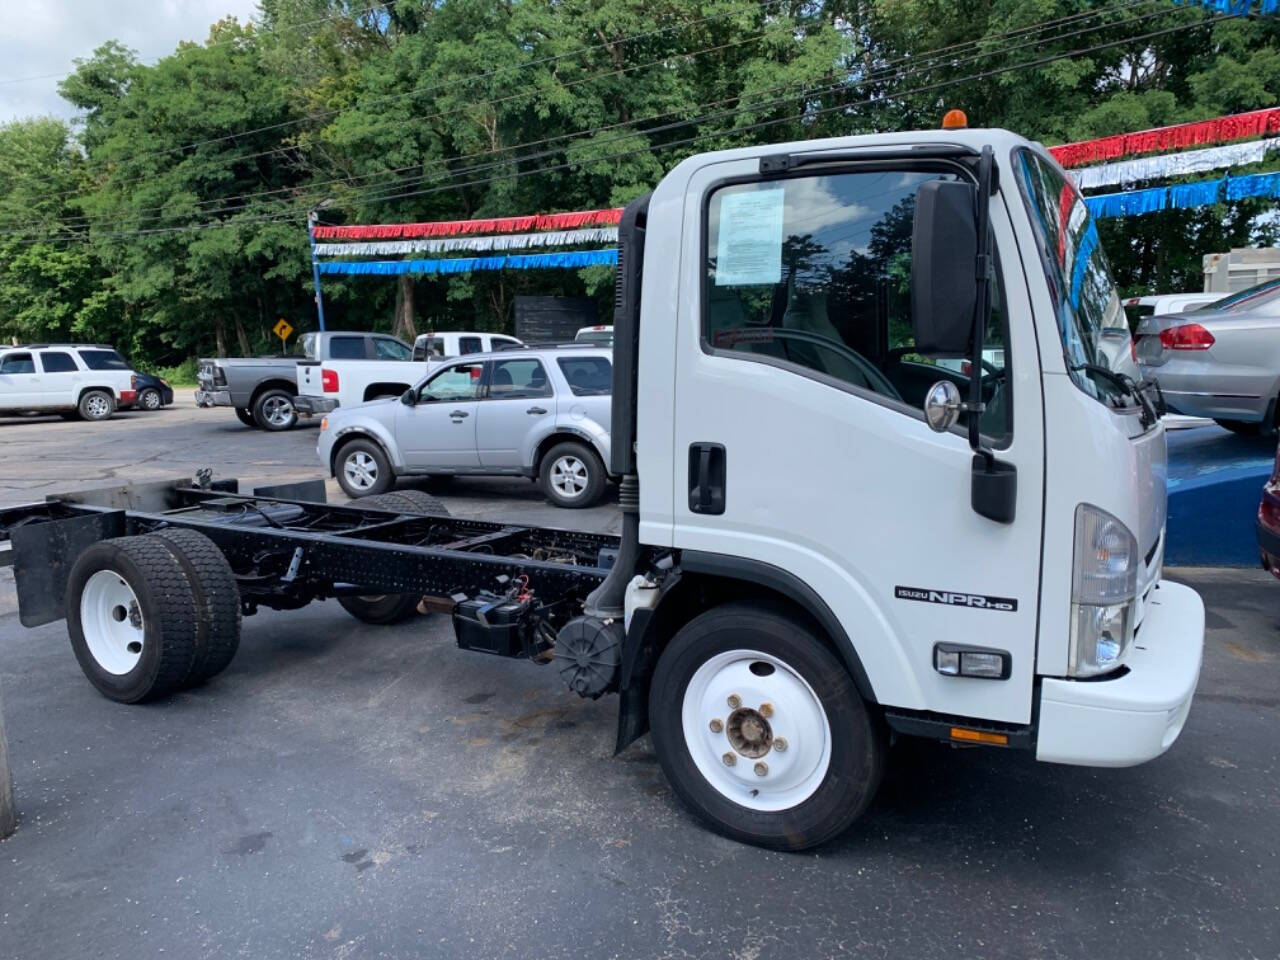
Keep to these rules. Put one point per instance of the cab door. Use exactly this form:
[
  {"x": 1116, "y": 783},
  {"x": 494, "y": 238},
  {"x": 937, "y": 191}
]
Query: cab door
[
  {"x": 439, "y": 429},
  {"x": 795, "y": 450}
]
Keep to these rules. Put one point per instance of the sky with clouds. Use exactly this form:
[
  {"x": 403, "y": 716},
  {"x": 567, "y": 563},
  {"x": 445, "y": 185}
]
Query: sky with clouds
[{"x": 48, "y": 35}]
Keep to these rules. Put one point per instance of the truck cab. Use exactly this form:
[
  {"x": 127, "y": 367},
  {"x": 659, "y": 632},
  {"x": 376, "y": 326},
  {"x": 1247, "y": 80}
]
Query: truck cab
[{"x": 975, "y": 552}]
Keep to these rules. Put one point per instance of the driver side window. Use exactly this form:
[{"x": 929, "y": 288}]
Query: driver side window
[
  {"x": 462, "y": 381},
  {"x": 813, "y": 274}
]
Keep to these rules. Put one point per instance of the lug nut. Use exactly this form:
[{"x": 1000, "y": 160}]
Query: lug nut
[
  {"x": 766, "y": 710},
  {"x": 780, "y": 744},
  {"x": 735, "y": 701},
  {"x": 730, "y": 759},
  {"x": 716, "y": 726},
  {"x": 762, "y": 769}
]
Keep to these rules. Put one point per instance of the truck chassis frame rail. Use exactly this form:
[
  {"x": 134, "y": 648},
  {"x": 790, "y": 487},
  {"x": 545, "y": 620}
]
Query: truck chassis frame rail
[{"x": 286, "y": 547}]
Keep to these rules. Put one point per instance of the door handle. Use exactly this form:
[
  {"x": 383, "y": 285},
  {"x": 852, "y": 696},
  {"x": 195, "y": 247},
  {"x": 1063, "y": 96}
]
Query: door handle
[
  {"x": 536, "y": 410},
  {"x": 459, "y": 414},
  {"x": 706, "y": 478}
]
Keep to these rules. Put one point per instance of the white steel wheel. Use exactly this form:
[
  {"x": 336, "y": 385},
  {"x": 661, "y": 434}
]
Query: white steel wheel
[
  {"x": 756, "y": 730},
  {"x": 760, "y": 729},
  {"x": 111, "y": 618},
  {"x": 361, "y": 470},
  {"x": 569, "y": 476}
]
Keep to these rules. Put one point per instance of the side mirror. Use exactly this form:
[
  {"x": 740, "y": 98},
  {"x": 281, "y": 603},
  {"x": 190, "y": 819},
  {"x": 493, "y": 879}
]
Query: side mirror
[
  {"x": 942, "y": 406},
  {"x": 409, "y": 397},
  {"x": 944, "y": 257}
]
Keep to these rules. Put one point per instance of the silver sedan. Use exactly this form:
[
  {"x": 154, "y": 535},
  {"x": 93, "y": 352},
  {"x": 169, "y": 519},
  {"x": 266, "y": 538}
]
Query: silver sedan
[{"x": 1220, "y": 361}]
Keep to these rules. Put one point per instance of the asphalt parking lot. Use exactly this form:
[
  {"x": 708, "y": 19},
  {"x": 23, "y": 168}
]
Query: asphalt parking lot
[{"x": 352, "y": 791}]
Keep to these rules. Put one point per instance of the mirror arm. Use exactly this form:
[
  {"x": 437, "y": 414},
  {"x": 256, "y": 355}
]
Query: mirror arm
[{"x": 982, "y": 306}]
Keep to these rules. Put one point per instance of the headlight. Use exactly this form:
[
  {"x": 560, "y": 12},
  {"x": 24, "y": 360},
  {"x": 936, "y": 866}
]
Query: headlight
[{"x": 1104, "y": 586}]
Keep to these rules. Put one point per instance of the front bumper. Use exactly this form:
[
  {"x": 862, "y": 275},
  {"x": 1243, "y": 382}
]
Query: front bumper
[
  {"x": 1135, "y": 717},
  {"x": 308, "y": 406},
  {"x": 213, "y": 398}
]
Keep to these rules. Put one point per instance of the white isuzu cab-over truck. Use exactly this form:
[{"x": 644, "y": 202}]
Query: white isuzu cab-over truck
[{"x": 829, "y": 537}]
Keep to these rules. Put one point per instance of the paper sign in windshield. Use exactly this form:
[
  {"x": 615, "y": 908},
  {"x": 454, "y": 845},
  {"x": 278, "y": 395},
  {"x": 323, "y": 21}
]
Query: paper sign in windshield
[{"x": 750, "y": 243}]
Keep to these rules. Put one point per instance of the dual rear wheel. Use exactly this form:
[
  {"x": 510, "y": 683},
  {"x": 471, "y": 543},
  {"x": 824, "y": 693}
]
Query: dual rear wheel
[{"x": 154, "y": 614}]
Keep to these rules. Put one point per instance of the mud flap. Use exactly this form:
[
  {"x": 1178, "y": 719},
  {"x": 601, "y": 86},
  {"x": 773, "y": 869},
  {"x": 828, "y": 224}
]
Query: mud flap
[{"x": 43, "y": 555}]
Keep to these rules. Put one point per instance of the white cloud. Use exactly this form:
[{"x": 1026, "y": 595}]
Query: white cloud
[{"x": 46, "y": 36}]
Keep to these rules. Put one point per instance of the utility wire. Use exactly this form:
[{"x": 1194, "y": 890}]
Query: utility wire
[
  {"x": 880, "y": 74},
  {"x": 802, "y": 115},
  {"x": 419, "y": 118}
]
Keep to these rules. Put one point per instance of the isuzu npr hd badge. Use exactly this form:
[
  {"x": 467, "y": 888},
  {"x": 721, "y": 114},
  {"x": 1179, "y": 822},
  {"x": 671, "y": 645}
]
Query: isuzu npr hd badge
[{"x": 954, "y": 599}]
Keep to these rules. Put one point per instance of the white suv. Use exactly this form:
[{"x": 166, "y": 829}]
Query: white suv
[
  {"x": 541, "y": 413},
  {"x": 74, "y": 380}
]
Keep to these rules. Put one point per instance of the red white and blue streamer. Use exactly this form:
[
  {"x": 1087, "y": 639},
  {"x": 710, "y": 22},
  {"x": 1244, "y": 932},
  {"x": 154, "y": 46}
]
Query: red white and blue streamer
[
  {"x": 1227, "y": 129},
  {"x": 1184, "y": 196},
  {"x": 457, "y": 228},
  {"x": 532, "y": 261},
  {"x": 514, "y": 241}
]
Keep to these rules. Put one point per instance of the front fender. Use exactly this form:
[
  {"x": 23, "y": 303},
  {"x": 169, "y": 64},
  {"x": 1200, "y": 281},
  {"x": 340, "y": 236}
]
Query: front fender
[
  {"x": 372, "y": 430},
  {"x": 584, "y": 429}
]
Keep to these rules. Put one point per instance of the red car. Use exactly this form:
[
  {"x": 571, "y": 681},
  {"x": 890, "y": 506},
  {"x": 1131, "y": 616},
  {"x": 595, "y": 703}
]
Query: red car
[{"x": 1269, "y": 521}]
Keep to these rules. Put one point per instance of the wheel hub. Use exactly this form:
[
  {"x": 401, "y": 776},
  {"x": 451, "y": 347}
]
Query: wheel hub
[{"x": 749, "y": 732}]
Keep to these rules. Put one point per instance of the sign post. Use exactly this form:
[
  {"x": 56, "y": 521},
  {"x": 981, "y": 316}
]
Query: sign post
[
  {"x": 8, "y": 817},
  {"x": 282, "y": 329}
]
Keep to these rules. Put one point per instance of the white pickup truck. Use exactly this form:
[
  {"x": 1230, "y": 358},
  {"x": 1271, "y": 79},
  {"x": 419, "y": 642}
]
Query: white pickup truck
[
  {"x": 357, "y": 369},
  {"x": 459, "y": 343}
]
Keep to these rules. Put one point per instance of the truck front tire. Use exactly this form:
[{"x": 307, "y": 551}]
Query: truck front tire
[
  {"x": 760, "y": 730},
  {"x": 273, "y": 410}
]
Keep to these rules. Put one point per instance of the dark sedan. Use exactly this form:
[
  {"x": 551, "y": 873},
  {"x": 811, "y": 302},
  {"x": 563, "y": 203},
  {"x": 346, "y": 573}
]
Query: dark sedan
[{"x": 153, "y": 393}]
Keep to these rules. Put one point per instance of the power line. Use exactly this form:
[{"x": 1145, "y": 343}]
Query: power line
[
  {"x": 919, "y": 60},
  {"x": 803, "y": 115},
  {"x": 289, "y": 28},
  {"x": 391, "y": 98},
  {"x": 881, "y": 74}
]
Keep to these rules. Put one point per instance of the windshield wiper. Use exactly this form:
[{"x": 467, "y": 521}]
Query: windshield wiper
[{"x": 1125, "y": 383}]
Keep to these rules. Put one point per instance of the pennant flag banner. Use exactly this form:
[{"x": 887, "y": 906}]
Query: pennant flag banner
[
  {"x": 1184, "y": 195},
  {"x": 457, "y": 228},
  {"x": 1174, "y": 164},
  {"x": 531, "y": 261},
  {"x": 1238, "y": 126},
  {"x": 514, "y": 241}
]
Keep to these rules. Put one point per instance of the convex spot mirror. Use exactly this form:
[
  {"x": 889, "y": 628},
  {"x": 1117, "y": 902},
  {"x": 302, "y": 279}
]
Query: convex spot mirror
[
  {"x": 944, "y": 256},
  {"x": 942, "y": 406}
]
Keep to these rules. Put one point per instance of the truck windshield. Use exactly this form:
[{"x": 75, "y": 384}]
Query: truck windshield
[{"x": 1085, "y": 297}]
